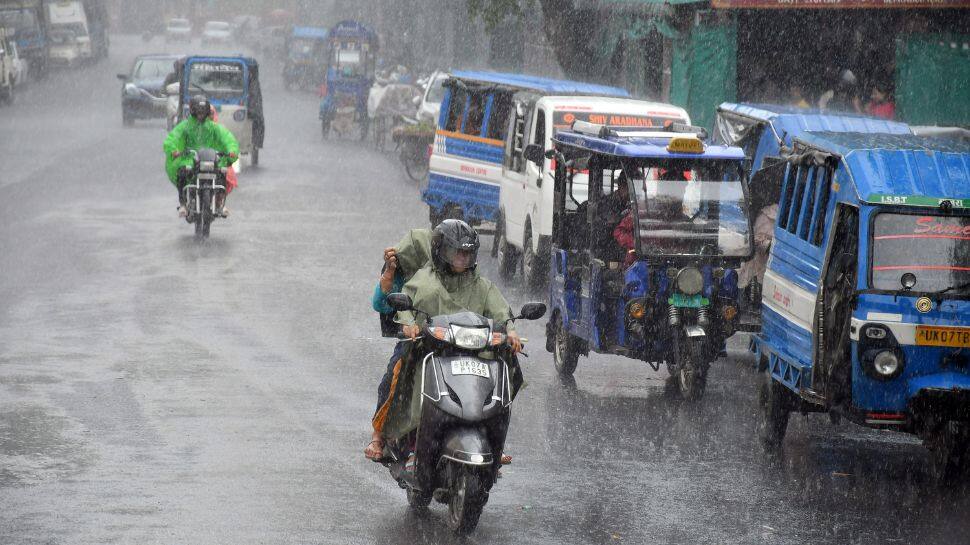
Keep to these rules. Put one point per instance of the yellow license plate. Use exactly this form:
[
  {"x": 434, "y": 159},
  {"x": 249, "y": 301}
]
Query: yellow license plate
[{"x": 958, "y": 337}]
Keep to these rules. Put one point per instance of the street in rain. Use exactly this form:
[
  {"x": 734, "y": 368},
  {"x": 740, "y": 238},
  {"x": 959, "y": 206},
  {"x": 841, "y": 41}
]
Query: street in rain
[{"x": 484, "y": 271}]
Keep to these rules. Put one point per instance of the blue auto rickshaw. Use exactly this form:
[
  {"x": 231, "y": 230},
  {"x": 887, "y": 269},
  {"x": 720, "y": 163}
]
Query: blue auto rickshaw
[
  {"x": 352, "y": 50},
  {"x": 306, "y": 57},
  {"x": 659, "y": 284},
  {"x": 866, "y": 303},
  {"x": 232, "y": 85}
]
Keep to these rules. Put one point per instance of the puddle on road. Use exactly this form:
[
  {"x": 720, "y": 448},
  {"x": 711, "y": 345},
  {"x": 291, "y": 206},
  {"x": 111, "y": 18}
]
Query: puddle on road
[{"x": 36, "y": 446}]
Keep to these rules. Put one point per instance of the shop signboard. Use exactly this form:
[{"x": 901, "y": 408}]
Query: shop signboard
[{"x": 839, "y": 4}]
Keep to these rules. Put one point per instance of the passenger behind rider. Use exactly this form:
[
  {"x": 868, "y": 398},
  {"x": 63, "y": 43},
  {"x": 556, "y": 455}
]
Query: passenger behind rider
[{"x": 197, "y": 132}]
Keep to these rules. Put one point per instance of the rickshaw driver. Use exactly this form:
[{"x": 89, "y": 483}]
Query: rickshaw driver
[{"x": 196, "y": 132}]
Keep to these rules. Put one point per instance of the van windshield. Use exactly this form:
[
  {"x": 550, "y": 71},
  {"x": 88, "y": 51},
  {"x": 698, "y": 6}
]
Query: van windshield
[
  {"x": 691, "y": 208},
  {"x": 934, "y": 248}
]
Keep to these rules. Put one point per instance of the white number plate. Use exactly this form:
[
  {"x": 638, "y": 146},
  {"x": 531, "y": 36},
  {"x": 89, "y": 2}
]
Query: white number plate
[{"x": 469, "y": 367}]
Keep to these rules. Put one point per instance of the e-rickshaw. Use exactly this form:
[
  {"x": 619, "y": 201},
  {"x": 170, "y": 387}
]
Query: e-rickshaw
[
  {"x": 306, "y": 49},
  {"x": 660, "y": 285},
  {"x": 232, "y": 85},
  {"x": 350, "y": 73},
  {"x": 866, "y": 304}
]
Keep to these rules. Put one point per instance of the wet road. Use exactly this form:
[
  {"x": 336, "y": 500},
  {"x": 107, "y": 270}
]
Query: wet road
[{"x": 156, "y": 391}]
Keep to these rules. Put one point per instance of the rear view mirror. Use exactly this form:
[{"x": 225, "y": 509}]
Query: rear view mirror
[
  {"x": 534, "y": 153},
  {"x": 532, "y": 311},
  {"x": 401, "y": 302}
]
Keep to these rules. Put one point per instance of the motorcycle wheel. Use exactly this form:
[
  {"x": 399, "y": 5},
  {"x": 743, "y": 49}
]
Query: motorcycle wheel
[
  {"x": 200, "y": 227},
  {"x": 566, "y": 355},
  {"x": 948, "y": 454},
  {"x": 468, "y": 497},
  {"x": 418, "y": 499},
  {"x": 775, "y": 402}
]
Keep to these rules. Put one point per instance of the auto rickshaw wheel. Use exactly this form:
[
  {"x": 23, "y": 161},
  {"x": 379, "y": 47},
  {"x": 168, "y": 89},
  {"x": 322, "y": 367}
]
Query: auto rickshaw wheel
[
  {"x": 949, "y": 453},
  {"x": 775, "y": 402},
  {"x": 254, "y": 156},
  {"x": 566, "y": 355},
  {"x": 325, "y": 128}
]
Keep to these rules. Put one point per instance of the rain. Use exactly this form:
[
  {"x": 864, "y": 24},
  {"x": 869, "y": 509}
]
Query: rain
[{"x": 484, "y": 271}]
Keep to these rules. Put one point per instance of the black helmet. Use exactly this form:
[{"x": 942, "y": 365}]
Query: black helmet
[
  {"x": 448, "y": 239},
  {"x": 199, "y": 105}
]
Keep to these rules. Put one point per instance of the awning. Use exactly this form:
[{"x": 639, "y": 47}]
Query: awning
[{"x": 839, "y": 4}]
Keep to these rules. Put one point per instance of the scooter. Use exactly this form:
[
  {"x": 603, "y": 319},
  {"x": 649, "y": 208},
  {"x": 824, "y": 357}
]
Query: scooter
[{"x": 466, "y": 397}]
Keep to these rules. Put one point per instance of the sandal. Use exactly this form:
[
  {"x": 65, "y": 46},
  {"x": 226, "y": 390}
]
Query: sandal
[{"x": 380, "y": 452}]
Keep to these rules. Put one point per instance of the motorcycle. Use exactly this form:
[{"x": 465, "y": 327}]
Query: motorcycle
[
  {"x": 205, "y": 193},
  {"x": 466, "y": 397}
]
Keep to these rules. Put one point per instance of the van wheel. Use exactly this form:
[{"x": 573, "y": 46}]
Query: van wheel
[
  {"x": 533, "y": 268},
  {"x": 507, "y": 258},
  {"x": 775, "y": 402},
  {"x": 948, "y": 453},
  {"x": 566, "y": 355}
]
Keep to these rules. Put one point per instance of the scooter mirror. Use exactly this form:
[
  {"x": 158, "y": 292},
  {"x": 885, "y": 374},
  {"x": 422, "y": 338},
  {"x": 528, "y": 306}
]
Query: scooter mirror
[
  {"x": 402, "y": 302},
  {"x": 532, "y": 311}
]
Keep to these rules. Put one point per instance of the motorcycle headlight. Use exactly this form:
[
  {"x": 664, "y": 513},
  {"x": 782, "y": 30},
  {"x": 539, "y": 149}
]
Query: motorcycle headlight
[
  {"x": 690, "y": 281},
  {"x": 886, "y": 363},
  {"x": 472, "y": 338},
  {"x": 207, "y": 166}
]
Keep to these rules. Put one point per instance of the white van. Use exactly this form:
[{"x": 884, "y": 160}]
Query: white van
[{"x": 524, "y": 225}]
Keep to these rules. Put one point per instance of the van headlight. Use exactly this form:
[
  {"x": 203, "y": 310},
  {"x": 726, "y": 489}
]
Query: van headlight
[
  {"x": 471, "y": 338},
  {"x": 690, "y": 281},
  {"x": 239, "y": 116},
  {"x": 886, "y": 364}
]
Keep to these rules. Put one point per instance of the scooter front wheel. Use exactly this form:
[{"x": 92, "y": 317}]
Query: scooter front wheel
[{"x": 468, "y": 497}]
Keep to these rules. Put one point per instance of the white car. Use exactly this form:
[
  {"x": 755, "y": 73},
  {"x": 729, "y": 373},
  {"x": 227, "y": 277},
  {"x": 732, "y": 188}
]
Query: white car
[
  {"x": 216, "y": 32},
  {"x": 178, "y": 30},
  {"x": 434, "y": 92}
]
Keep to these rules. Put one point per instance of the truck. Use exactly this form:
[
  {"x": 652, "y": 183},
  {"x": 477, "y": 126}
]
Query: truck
[
  {"x": 26, "y": 19},
  {"x": 77, "y": 30}
]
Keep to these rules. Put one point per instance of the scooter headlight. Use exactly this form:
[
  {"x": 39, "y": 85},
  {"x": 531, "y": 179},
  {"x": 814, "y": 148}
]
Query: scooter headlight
[
  {"x": 690, "y": 281},
  {"x": 886, "y": 363},
  {"x": 471, "y": 338}
]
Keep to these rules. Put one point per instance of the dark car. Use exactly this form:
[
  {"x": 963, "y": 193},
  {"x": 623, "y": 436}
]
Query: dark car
[{"x": 143, "y": 90}]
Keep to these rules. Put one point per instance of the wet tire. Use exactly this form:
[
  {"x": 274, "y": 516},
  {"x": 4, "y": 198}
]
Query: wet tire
[
  {"x": 507, "y": 257},
  {"x": 566, "y": 354},
  {"x": 468, "y": 497},
  {"x": 254, "y": 157},
  {"x": 775, "y": 403},
  {"x": 949, "y": 454},
  {"x": 200, "y": 228},
  {"x": 7, "y": 95},
  {"x": 325, "y": 129},
  {"x": 418, "y": 499},
  {"x": 127, "y": 120},
  {"x": 533, "y": 268},
  {"x": 415, "y": 167}
]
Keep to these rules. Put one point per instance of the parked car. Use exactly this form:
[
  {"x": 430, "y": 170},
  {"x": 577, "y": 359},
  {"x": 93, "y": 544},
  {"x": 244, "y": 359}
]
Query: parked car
[
  {"x": 216, "y": 33},
  {"x": 143, "y": 90},
  {"x": 178, "y": 30},
  {"x": 6, "y": 67}
]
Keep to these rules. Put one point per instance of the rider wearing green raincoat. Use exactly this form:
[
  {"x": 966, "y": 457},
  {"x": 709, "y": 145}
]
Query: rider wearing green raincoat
[{"x": 196, "y": 132}]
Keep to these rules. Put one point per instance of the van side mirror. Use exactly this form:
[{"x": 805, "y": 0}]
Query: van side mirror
[
  {"x": 122, "y": 77},
  {"x": 532, "y": 311},
  {"x": 534, "y": 153},
  {"x": 400, "y": 302}
]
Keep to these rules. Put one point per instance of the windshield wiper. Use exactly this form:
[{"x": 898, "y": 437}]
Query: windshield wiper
[{"x": 955, "y": 287}]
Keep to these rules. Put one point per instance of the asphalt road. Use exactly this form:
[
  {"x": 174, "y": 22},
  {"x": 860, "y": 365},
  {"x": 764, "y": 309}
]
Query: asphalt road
[{"x": 154, "y": 390}]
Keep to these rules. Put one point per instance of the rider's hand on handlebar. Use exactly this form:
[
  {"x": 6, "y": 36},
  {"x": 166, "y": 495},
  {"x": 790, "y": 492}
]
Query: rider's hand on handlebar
[
  {"x": 411, "y": 331},
  {"x": 514, "y": 341},
  {"x": 176, "y": 154},
  {"x": 233, "y": 156}
]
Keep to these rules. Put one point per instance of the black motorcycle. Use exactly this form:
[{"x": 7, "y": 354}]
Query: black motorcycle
[
  {"x": 205, "y": 194},
  {"x": 468, "y": 380}
]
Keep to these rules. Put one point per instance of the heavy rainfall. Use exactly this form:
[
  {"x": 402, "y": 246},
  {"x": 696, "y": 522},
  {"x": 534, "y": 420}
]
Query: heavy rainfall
[{"x": 484, "y": 271}]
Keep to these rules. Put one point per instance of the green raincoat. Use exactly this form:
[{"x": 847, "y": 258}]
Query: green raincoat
[
  {"x": 438, "y": 294},
  {"x": 192, "y": 135},
  {"x": 413, "y": 252}
]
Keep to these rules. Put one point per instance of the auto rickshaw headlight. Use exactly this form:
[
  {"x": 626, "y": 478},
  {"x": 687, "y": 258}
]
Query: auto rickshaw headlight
[
  {"x": 239, "y": 116},
  {"x": 886, "y": 364},
  {"x": 636, "y": 310},
  {"x": 690, "y": 281},
  {"x": 729, "y": 312}
]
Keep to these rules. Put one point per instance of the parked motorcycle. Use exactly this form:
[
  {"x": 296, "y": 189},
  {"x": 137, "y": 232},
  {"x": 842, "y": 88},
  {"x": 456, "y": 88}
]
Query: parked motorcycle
[
  {"x": 466, "y": 396},
  {"x": 205, "y": 193}
]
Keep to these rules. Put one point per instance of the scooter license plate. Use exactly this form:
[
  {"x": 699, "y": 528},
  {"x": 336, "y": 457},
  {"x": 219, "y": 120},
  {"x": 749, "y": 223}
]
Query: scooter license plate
[
  {"x": 469, "y": 367},
  {"x": 956, "y": 337}
]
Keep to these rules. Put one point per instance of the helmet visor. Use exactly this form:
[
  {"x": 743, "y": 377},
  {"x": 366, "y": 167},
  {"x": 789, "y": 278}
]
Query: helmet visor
[{"x": 459, "y": 259}]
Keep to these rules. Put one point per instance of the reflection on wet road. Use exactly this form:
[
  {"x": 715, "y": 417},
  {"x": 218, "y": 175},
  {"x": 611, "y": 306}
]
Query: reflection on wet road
[{"x": 153, "y": 390}]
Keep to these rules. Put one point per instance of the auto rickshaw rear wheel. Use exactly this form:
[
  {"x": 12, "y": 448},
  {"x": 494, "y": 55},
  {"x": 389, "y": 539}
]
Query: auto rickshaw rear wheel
[
  {"x": 775, "y": 402},
  {"x": 566, "y": 355}
]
